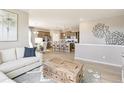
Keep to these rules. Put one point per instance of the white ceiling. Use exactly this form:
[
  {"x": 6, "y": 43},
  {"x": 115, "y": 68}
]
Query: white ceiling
[{"x": 61, "y": 18}]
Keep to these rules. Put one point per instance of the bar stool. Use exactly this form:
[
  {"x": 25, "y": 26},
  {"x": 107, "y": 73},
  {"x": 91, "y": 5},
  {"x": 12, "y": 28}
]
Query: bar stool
[{"x": 67, "y": 47}]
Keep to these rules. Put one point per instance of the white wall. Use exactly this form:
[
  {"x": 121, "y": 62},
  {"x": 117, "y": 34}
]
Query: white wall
[
  {"x": 92, "y": 48},
  {"x": 110, "y": 55},
  {"x": 22, "y": 31}
]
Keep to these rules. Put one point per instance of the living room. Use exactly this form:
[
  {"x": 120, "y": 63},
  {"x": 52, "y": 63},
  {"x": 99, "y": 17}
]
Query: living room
[
  {"x": 57, "y": 35},
  {"x": 24, "y": 36},
  {"x": 55, "y": 46}
]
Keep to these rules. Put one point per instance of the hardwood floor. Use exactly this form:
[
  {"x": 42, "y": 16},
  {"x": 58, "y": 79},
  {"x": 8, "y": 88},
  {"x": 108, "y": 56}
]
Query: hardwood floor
[{"x": 109, "y": 74}]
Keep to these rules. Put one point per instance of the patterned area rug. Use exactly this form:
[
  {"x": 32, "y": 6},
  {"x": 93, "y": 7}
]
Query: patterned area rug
[{"x": 34, "y": 76}]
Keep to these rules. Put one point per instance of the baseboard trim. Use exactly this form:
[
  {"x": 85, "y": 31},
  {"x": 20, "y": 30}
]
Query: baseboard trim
[{"x": 99, "y": 62}]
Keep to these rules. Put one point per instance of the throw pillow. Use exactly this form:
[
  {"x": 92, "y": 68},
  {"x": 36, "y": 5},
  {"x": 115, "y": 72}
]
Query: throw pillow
[
  {"x": 29, "y": 52},
  {"x": 20, "y": 52},
  {"x": 7, "y": 55}
]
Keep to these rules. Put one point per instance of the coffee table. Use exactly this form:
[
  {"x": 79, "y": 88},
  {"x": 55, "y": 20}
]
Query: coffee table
[{"x": 63, "y": 70}]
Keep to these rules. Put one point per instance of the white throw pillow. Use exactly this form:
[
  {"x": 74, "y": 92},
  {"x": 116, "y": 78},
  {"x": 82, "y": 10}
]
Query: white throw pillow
[
  {"x": 20, "y": 52},
  {"x": 8, "y": 55}
]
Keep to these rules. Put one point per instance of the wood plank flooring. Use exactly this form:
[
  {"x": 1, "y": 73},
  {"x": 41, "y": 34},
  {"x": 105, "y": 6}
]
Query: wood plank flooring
[{"x": 109, "y": 74}]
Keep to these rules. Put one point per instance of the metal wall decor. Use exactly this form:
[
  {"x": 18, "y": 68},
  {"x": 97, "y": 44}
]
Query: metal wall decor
[{"x": 101, "y": 31}]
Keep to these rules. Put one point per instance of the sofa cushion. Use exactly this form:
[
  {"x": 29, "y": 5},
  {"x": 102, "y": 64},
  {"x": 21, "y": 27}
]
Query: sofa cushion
[
  {"x": 7, "y": 55},
  {"x": 27, "y": 59},
  {"x": 2, "y": 76},
  {"x": 5, "y": 79},
  {"x": 29, "y": 52},
  {"x": 22, "y": 70},
  {"x": 13, "y": 65},
  {"x": 20, "y": 52}
]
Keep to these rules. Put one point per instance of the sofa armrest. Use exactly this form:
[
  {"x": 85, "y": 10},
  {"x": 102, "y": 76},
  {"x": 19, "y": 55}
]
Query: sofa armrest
[{"x": 40, "y": 56}]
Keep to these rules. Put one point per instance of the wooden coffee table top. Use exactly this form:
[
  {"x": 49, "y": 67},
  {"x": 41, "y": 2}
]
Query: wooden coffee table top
[{"x": 64, "y": 65}]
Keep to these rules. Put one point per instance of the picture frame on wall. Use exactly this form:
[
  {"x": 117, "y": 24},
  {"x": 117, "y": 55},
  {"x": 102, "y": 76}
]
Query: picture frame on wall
[{"x": 8, "y": 26}]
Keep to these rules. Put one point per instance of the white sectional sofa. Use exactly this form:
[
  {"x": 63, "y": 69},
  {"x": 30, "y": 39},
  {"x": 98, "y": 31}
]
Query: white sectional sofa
[
  {"x": 5, "y": 79},
  {"x": 13, "y": 63}
]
